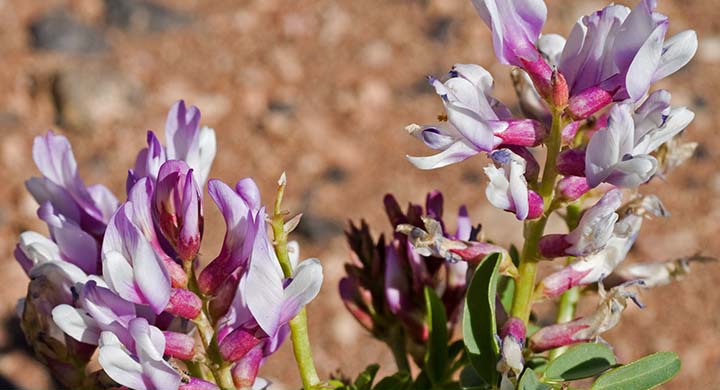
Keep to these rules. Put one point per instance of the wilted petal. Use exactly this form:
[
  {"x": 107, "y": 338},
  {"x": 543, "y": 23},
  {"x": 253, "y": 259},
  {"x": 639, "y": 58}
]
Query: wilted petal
[{"x": 595, "y": 226}]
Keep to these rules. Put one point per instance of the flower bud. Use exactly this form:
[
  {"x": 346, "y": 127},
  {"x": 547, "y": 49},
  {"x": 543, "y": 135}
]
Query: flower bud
[
  {"x": 588, "y": 102},
  {"x": 572, "y": 188},
  {"x": 536, "y": 206},
  {"x": 513, "y": 338},
  {"x": 558, "y": 90},
  {"x": 184, "y": 303},
  {"x": 178, "y": 208},
  {"x": 237, "y": 344},
  {"x": 245, "y": 371},
  {"x": 571, "y": 162},
  {"x": 179, "y": 345},
  {"x": 553, "y": 245},
  {"x": 523, "y": 132}
]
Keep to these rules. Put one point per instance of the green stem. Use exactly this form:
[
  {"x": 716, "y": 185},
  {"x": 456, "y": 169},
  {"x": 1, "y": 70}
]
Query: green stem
[
  {"x": 533, "y": 230},
  {"x": 219, "y": 368},
  {"x": 298, "y": 325}
]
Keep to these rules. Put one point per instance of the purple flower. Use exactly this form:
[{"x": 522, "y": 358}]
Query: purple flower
[
  {"x": 591, "y": 235},
  {"x": 61, "y": 186},
  {"x": 615, "y": 54},
  {"x": 131, "y": 267},
  {"x": 256, "y": 324},
  {"x": 75, "y": 245},
  {"x": 595, "y": 267},
  {"x": 620, "y": 153},
  {"x": 605, "y": 317},
  {"x": 476, "y": 121},
  {"x": 507, "y": 189},
  {"x": 188, "y": 142},
  {"x": 239, "y": 207},
  {"x": 177, "y": 208}
]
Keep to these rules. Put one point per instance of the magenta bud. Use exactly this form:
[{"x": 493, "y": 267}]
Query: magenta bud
[
  {"x": 184, "y": 303},
  {"x": 178, "y": 208},
  {"x": 553, "y": 245},
  {"x": 179, "y": 345},
  {"x": 571, "y": 162},
  {"x": 559, "y": 282},
  {"x": 245, "y": 371},
  {"x": 569, "y": 132},
  {"x": 555, "y": 336},
  {"x": 536, "y": 205},
  {"x": 514, "y": 327},
  {"x": 523, "y": 132},
  {"x": 541, "y": 75},
  {"x": 214, "y": 274},
  {"x": 572, "y": 187},
  {"x": 237, "y": 344},
  {"x": 177, "y": 274},
  {"x": 197, "y": 384},
  {"x": 476, "y": 251},
  {"x": 588, "y": 102},
  {"x": 559, "y": 90}
]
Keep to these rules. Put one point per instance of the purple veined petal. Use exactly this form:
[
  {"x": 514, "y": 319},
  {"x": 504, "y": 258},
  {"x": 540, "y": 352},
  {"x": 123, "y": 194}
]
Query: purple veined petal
[
  {"x": 632, "y": 172},
  {"x": 55, "y": 160},
  {"x": 151, "y": 277},
  {"x": 304, "y": 286},
  {"x": 104, "y": 200},
  {"x": 678, "y": 50},
  {"x": 435, "y": 137},
  {"x": 674, "y": 122},
  {"x": 181, "y": 130},
  {"x": 75, "y": 245},
  {"x": 38, "y": 248},
  {"x": 483, "y": 103},
  {"x": 118, "y": 364},
  {"x": 651, "y": 115},
  {"x": 43, "y": 191},
  {"x": 639, "y": 25},
  {"x": 149, "y": 347},
  {"x": 456, "y": 152},
  {"x": 235, "y": 211},
  {"x": 197, "y": 384},
  {"x": 118, "y": 274},
  {"x": 249, "y": 192},
  {"x": 608, "y": 146},
  {"x": 76, "y": 324},
  {"x": 595, "y": 226},
  {"x": 264, "y": 274},
  {"x": 515, "y": 26},
  {"x": 109, "y": 311},
  {"x": 642, "y": 70}
]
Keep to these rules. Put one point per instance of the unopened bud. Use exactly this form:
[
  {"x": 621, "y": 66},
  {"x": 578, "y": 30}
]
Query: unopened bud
[
  {"x": 184, "y": 303},
  {"x": 179, "y": 345},
  {"x": 588, "y": 102}
]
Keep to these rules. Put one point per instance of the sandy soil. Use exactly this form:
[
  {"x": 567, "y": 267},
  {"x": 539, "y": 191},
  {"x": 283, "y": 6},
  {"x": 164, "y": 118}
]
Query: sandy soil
[{"x": 323, "y": 89}]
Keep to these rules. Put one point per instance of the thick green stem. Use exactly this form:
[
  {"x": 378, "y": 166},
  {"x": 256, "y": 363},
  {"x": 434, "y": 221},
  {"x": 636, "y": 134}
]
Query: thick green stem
[
  {"x": 533, "y": 230},
  {"x": 298, "y": 325}
]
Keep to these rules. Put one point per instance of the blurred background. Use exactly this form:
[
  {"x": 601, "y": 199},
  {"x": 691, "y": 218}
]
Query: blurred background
[{"x": 323, "y": 89}]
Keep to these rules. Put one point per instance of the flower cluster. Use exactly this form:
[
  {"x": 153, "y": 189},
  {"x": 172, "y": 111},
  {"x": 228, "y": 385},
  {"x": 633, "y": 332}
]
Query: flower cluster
[{"x": 125, "y": 278}]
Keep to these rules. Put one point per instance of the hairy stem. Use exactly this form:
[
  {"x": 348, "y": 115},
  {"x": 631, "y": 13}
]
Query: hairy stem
[
  {"x": 533, "y": 230},
  {"x": 298, "y": 325}
]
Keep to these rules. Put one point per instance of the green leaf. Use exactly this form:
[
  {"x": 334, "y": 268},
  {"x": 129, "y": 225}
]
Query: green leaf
[
  {"x": 530, "y": 381},
  {"x": 479, "y": 326},
  {"x": 506, "y": 291},
  {"x": 538, "y": 363},
  {"x": 365, "y": 379},
  {"x": 436, "y": 357},
  {"x": 580, "y": 361},
  {"x": 399, "y": 381},
  {"x": 643, "y": 374},
  {"x": 470, "y": 380},
  {"x": 514, "y": 255}
]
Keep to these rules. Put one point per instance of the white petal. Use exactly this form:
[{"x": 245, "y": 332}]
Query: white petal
[
  {"x": 677, "y": 52},
  {"x": 76, "y": 323},
  {"x": 303, "y": 288},
  {"x": 118, "y": 274},
  {"x": 457, "y": 152}
]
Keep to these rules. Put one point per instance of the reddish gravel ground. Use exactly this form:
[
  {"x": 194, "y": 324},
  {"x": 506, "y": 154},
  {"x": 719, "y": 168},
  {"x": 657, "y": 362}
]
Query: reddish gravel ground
[{"x": 323, "y": 89}]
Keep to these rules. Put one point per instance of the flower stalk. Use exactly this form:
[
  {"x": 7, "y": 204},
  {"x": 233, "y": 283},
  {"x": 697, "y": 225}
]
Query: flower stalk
[
  {"x": 298, "y": 325},
  {"x": 534, "y": 229}
]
